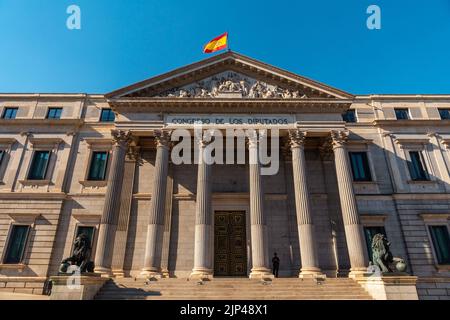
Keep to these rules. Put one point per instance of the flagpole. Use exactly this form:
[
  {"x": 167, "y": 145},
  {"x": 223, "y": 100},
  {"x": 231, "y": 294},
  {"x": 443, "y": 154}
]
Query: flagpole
[{"x": 228, "y": 41}]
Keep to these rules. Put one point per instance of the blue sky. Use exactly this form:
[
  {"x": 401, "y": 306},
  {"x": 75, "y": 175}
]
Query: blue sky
[{"x": 125, "y": 41}]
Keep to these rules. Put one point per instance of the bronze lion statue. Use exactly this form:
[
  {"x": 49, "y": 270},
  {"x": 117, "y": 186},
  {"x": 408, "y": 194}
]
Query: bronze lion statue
[
  {"x": 382, "y": 256},
  {"x": 80, "y": 257}
]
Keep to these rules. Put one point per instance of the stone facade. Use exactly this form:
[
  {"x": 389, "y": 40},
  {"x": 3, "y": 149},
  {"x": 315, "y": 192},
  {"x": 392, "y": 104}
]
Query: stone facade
[{"x": 157, "y": 219}]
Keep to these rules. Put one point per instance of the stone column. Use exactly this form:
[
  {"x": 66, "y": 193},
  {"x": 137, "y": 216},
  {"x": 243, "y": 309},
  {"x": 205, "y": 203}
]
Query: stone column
[
  {"x": 352, "y": 224},
  {"x": 108, "y": 223},
  {"x": 260, "y": 251},
  {"x": 308, "y": 252},
  {"x": 203, "y": 260},
  {"x": 126, "y": 199},
  {"x": 167, "y": 226},
  {"x": 155, "y": 229}
]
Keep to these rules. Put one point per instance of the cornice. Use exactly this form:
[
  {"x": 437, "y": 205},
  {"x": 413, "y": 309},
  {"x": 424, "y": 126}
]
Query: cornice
[
  {"x": 417, "y": 97},
  {"x": 7, "y": 141},
  {"x": 34, "y": 122},
  {"x": 45, "y": 141},
  {"x": 57, "y": 196},
  {"x": 410, "y": 123},
  {"x": 232, "y": 105},
  {"x": 31, "y": 96},
  {"x": 228, "y": 60}
]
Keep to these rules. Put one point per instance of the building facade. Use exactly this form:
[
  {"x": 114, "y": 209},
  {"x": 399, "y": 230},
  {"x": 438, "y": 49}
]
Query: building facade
[{"x": 346, "y": 167}]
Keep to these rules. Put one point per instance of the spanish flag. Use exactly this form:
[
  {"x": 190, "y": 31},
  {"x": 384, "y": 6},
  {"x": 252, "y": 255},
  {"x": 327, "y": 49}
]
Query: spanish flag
[{"x": 217, "y": 44}]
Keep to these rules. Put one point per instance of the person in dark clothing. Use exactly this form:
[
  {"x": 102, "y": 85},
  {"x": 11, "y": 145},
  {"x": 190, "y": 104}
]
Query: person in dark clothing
[{"x": 276, "y": 264}]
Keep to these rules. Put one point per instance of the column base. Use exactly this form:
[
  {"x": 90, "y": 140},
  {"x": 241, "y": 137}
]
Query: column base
[
  {"x": 118, "y": 273},
  {"x": 311, "y": 273},
  {"x": 151, "y": 275},
  {"x": 165, "y": 273},
  {"x": 201, "y": 275},
  {"x": 357, "y": 272},
  {"x": 103, "y": 272},
  {"x": 261, "y": 274}
]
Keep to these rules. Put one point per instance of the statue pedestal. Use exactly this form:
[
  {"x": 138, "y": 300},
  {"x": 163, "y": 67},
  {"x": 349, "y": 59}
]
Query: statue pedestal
[
  {"x": 73, "y": 287},
  {"x": 390, "y": 286}
]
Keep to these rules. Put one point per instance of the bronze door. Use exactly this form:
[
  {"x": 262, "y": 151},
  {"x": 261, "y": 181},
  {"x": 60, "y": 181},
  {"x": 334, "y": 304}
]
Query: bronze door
[{"x": 230, "y": 251}]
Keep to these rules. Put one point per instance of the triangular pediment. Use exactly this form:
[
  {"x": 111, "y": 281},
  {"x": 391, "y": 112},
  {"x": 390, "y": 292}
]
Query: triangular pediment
[{"x": 230, "y": 75}]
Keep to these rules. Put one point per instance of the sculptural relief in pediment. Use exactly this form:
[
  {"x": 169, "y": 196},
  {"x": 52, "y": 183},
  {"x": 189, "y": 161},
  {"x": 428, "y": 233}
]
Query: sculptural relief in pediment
[{"x": 231, "y": 84}]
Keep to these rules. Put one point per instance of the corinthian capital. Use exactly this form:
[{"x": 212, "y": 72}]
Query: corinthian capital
[
  {"x": 253, "y": 137},
  {"x": 297, "y": 138},
  {"x": 121, "y": 137},
  {"x": 162, "y": 138},
  {"x": 339, "y": 138}
]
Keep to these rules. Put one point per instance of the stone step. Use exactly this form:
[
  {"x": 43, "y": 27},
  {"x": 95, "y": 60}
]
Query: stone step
[
  {"x": 236, "y": 289},
  {"x": 234, "y": 280},
  {"x": 231, "y": 289},
  {"x": 224, "y": 285},
  {"x": 210, "y": 297},
  {"x": 201, "y": 291}
]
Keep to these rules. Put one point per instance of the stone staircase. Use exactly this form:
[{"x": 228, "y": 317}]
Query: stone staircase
[{"x": 233, "y": 289}]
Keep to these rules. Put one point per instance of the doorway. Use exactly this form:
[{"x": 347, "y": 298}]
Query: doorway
[{"x": 230, "y": 252}]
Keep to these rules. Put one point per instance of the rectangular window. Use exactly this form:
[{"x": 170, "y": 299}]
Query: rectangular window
[
  {"x": 88, "y": 231},
  {"x": 16, "y": 244},
  {"x": 10, "y": 113},
  {"x": 107, "y": 116},
  {"x": 402, "y": 114},
  {"x": 445, "y": 114},
  {"x": 54, "y": 113},
  {"x": 349, "y": 116},
  {"x": 369, "y": 233},
  {"x": 39, "y": 165},
  {"x": 2, "y": 153},
  {"x": 360, "y": 166},
  {"x": 441, "y": 243},
  {"x": 417, "y": 167},
  {"x": 97, "y": 170}
]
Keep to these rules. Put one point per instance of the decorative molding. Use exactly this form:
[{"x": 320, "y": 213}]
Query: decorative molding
[
  {"x": 446, "y": 142},
  {"x": 7, "y": 141},
  {"x": 84, "y": 216},
  {"x": 404, "y": 141},
  {"x": 419, "y": 182},
  {"x": 24, "y": 217},
  {"x": 93, "y": 184},
  {"x": 227, "y": 105},
  {"x": 360, "y": 141},
  {"x": 433, "y": 217},
  {"x": 35, "y": 183},
  {"x": 20, "y": 267},
  {"x": 54, "y": 142},
  {"x": 410, "y": 122},
  {"x": 57, "y": 196},
  {"x": 98, "y": 141},
  {"x": 373, "y": 219}
]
